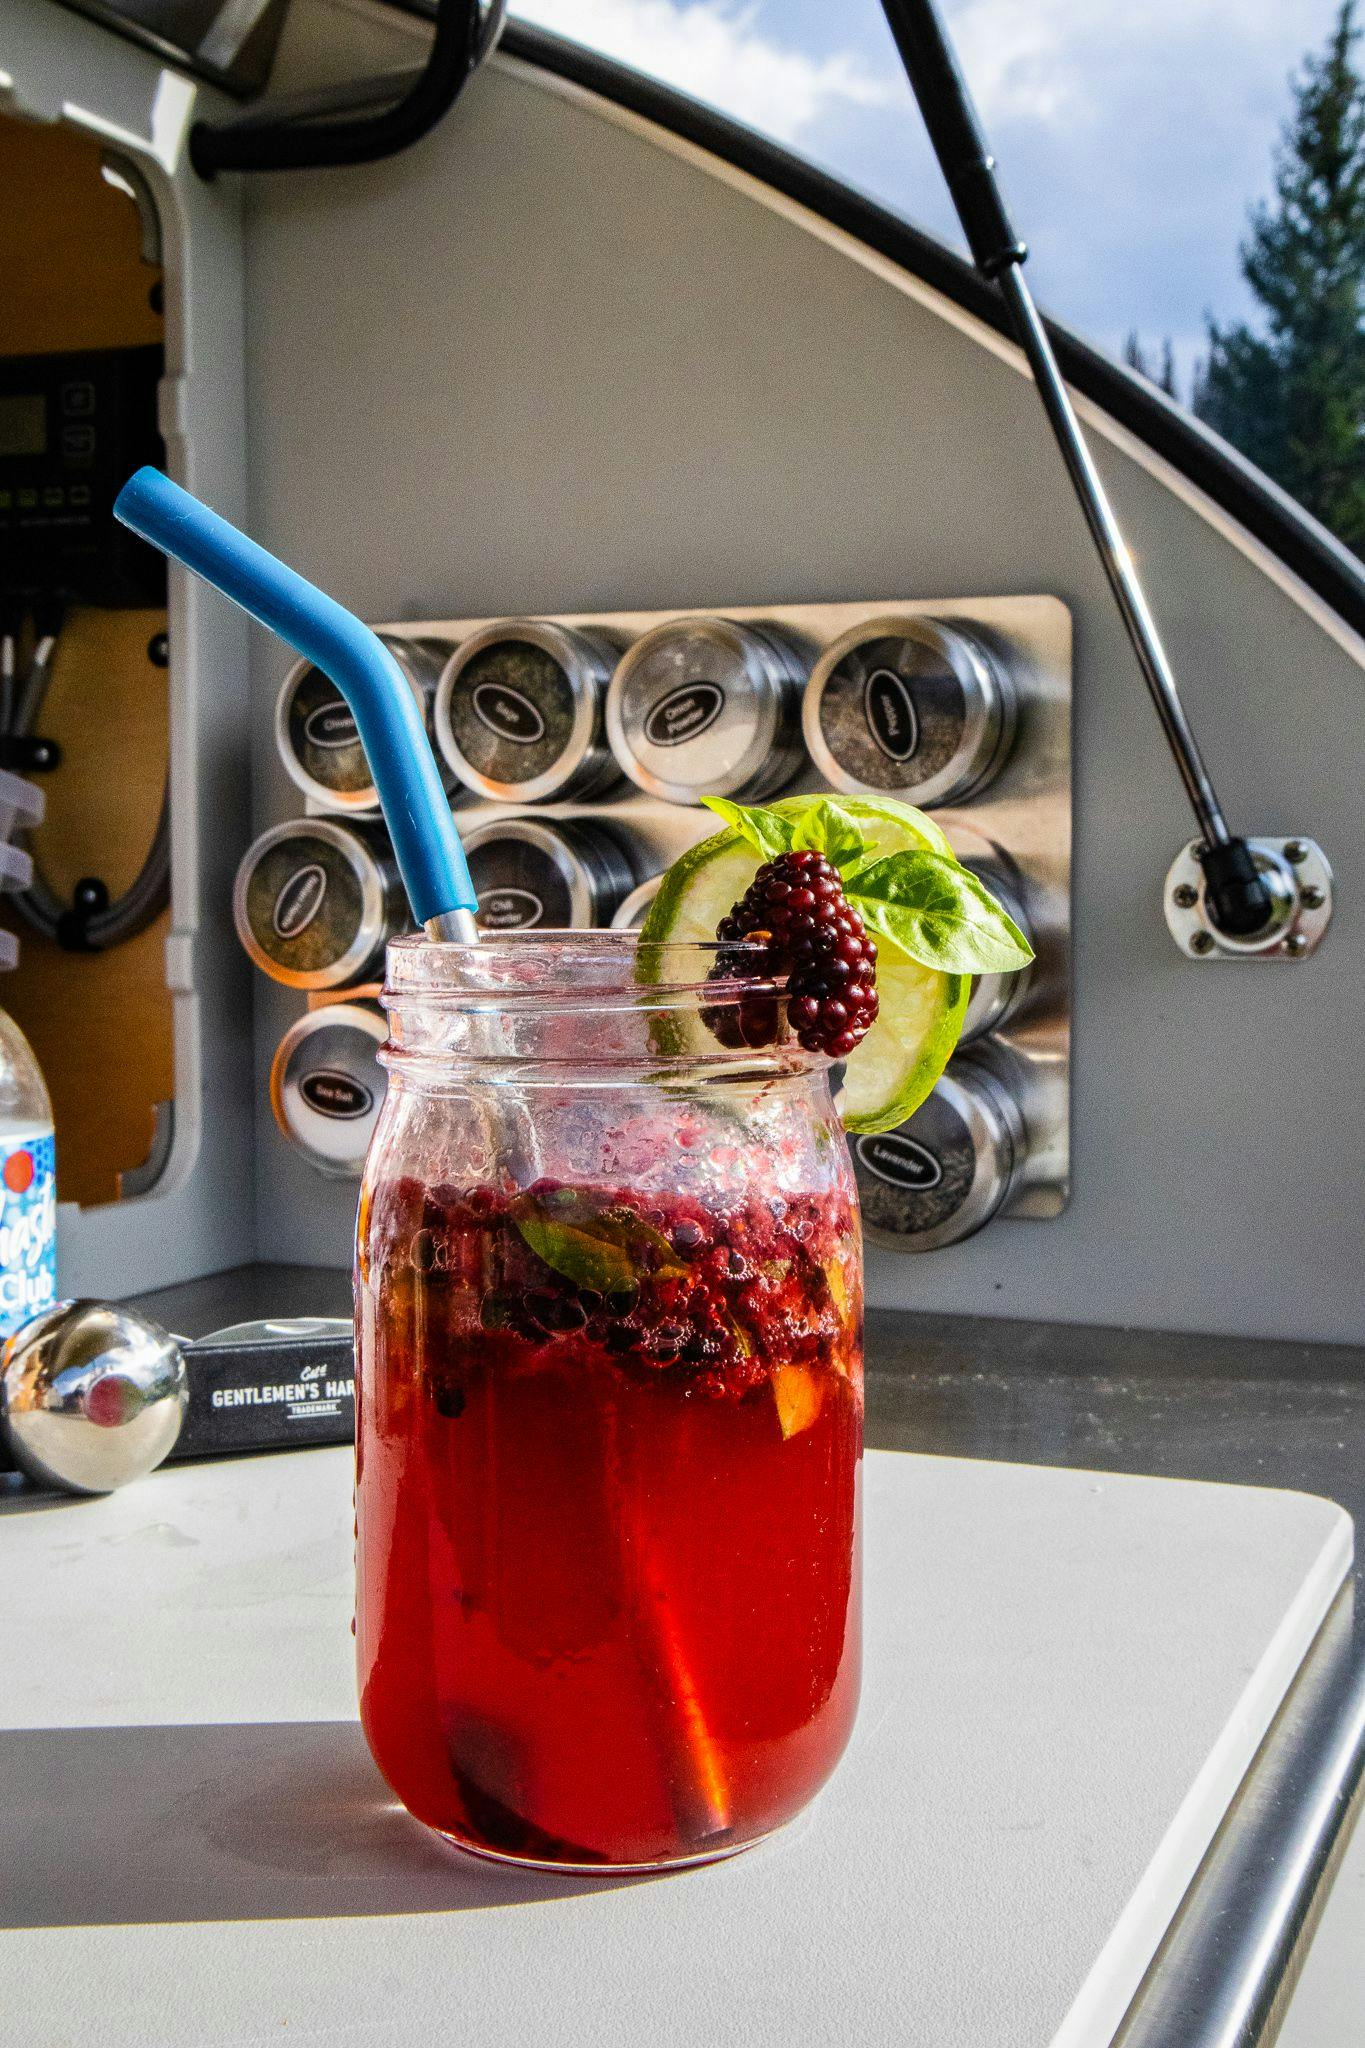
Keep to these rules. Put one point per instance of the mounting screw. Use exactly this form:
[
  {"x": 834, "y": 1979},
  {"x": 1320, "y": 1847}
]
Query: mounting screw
[
  {"x": 1295, "y": 852},
  {"x": 1184, "y": 896},
  {"x": 1296, "y": 943},
  {"x": 1201, "y": 942},
  {"x": 1312, "y": 897},
  {"x": 159, "y": 651}
]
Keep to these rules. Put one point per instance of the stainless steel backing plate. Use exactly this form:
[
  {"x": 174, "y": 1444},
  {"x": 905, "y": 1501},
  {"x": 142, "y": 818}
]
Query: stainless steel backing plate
[{"x": 1014, "y": 757}]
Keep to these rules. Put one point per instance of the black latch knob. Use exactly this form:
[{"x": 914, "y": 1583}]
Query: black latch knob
[
  {"x": 88, "y": 899},
  {"x": 1238, "y": 901}
]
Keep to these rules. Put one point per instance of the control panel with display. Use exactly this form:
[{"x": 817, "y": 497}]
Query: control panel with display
[{"x": 73, "y": 428}]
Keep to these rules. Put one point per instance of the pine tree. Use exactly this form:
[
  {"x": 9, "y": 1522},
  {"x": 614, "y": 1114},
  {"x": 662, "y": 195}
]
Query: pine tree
[
  {"x": 1293, "y": 396},
  {"x": 1136, "y": 357}
]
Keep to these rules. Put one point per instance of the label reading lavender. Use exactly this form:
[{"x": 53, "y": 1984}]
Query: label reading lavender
[{"x": 28, "y": 1227}]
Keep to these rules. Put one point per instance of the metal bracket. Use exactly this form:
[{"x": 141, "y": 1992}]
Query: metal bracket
[{"x": 1299, "y": 880}]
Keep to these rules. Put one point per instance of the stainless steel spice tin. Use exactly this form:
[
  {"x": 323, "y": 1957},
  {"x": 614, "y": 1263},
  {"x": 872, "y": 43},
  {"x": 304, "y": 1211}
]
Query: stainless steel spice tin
[
  {"x": 316, "y": 734},
  {"x": 315, "y": 902},
  {"x": 327, "y": 1087},
  {"x": 519, "y": 712},
  {"x": 531, "y": 874},
  {"x": 910, "y": 707},
  {"x": 707, "y": 707}
]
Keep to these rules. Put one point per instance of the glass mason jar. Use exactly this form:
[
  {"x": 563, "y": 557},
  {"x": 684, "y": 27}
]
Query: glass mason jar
[{"x": 609, "y": 1414}]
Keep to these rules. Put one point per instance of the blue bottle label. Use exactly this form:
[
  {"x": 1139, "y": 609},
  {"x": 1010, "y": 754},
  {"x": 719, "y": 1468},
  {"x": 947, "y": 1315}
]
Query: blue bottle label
[{"x": 28, "y": 1227}]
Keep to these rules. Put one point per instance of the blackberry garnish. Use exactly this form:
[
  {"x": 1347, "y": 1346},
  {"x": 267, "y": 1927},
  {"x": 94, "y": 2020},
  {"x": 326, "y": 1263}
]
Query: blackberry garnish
[{"x": 795, "y": 908}]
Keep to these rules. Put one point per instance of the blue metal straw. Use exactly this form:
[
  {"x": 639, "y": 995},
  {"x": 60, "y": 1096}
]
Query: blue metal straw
[{"x": 430, "y": 856}]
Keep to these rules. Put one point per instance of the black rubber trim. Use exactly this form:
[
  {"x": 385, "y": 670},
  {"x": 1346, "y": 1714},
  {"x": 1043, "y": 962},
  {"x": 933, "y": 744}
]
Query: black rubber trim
[
  {"x": 363, "y": 136},
  {"x": 1231, "y": 482}
]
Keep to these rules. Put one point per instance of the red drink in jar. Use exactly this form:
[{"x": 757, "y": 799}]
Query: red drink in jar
[{"x": 610, "y": 1416}]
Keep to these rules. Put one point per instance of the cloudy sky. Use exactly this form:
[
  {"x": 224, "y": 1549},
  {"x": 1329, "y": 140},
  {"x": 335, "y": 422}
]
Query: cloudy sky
[{"x": 1130, "y": 139}]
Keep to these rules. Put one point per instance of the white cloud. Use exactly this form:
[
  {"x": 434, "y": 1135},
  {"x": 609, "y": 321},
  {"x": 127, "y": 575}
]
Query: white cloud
[
  {"x": 714, "y": 50},
  {"x": 1131, "y": 140},
  {"x": 1036, "y": 61},
  {"x": 1017, "y": 59}
]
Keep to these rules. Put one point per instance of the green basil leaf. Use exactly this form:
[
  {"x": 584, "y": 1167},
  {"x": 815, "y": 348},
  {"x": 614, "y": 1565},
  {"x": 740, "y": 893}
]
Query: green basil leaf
[
  {"x": 582, "y": 1258},
  {"x": 768, "y": 832},
  {"x": 606, "y": 1248},
  {"x": 640, "y": 1239},
  {"x": 820, "y": 824},
  {"x": 830, "y": 829},
  {"x": 939, "y": 913}
]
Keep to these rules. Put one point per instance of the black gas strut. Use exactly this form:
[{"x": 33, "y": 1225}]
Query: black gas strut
[{"x": 1238, "y": 900}]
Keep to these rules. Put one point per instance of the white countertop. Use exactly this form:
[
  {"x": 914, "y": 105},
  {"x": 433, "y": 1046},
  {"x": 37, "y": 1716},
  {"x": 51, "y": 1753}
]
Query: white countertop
[{"x": 1067, "y": 1675}]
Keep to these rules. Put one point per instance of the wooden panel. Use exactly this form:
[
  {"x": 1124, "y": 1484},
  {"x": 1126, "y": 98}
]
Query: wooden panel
[
  {"x": 100, "y": 1023},
  {"x": 74, "y": 277}
]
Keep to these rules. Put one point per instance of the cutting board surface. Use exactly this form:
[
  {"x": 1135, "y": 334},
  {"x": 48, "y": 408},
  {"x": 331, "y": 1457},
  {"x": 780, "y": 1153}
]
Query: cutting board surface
[{"x": 1067, "y": 1675}]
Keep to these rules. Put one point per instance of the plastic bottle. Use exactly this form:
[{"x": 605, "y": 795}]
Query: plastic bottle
[{"x": 28, "y": 1188}]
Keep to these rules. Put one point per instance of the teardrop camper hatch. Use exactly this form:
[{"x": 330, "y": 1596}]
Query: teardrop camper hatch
[{"x": 709, "y": 474}]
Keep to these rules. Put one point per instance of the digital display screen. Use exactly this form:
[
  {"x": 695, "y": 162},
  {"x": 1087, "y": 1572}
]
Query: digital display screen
[{"x": 23, "y": 423}]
